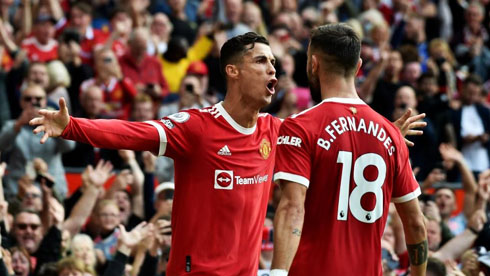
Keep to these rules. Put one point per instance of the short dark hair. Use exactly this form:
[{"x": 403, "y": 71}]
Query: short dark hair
[
  {"x": 473, "y": 79},
  {"x": 235, "y": 48},
  {"x": 117, "y": 10},
  {"x": 83, "y": 6},
  {"x": 427, "y": 75},
  {"x": 339, "y": 45},
  {"x": 436, "y": 267}
]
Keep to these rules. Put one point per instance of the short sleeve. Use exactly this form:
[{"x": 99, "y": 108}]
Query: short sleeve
[
  {"x": 293, "y": 162},
  {"x": 179, "y": 133},
  {"x": 405, "y": 186}
]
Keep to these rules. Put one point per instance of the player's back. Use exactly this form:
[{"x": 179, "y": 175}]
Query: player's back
[{"x": 355, "y": 157}]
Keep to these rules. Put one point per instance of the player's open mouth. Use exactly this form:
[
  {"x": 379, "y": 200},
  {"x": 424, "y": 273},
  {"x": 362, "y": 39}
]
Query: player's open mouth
[{"x": 271, "y": 84}]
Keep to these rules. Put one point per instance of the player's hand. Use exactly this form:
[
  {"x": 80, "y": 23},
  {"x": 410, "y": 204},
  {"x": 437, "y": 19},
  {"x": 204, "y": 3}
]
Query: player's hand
[
  {"x": 52, "y": 123},
  {"x": 407, "y": 125}
]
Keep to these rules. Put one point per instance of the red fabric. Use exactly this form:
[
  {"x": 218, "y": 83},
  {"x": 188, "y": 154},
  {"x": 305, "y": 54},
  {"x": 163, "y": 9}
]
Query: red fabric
[
  {"x": 342, "y": 229},
  {"x": 119, "y": 48},
  {"x": 118, "y": 97},
  {"x": 149, "y": 71},
  {"x": 88, "y": 44},
  {"x": 220, "y": 195},
  {"x": 40, "y": 53}
]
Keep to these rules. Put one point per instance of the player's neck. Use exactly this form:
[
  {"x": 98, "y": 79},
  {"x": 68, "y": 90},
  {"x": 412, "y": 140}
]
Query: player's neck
[
  {"x": 244, "y": 114},
  {"x": 337, "y": 87}
]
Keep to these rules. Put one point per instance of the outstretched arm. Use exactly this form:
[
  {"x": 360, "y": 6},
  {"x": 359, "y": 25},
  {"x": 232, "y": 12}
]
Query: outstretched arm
[
  {"x": 415, "y": 235},
  {"x": 288, "y": 224},
  {"x": 108, "y": 134}
]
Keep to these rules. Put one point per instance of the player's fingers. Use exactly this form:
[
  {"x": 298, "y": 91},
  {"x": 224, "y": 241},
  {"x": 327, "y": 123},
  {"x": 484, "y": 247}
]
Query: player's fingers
[
  {"x": 38, "y": 129},
  {"x": 45, "y": 112},
  {"x": 409, "y": 143},
  {"x": 44, "y": 138},
  {"x": 36, "y": 121},
  {"x": 416, "y": 117},
  {"x": 406, "y": 115},
  {"x": 63, "y": 105},
  {"x": 414, "y": 132},
  {"x": 418, "y": 125}
]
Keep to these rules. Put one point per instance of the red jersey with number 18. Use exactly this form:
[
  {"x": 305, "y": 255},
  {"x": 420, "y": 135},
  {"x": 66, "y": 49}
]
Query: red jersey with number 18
[{"x": 353, "y": 162}]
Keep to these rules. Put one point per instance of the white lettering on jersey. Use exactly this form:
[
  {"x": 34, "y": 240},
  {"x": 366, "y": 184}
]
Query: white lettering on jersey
[
  {"x": 180, "y": 117},
  {"x": 350, "y": 124},
  {"x": 258, "y": 179},
  {"x": 287, "y": 140},
  {"x": 224, "y": 180}
]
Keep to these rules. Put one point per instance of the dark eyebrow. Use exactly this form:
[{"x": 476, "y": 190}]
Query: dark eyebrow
[{"x": 263, "y": 57}]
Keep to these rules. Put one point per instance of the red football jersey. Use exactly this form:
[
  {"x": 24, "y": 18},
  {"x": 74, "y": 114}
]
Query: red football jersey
[
  {"x": 38, "y": 52},
  {"x": 118, "y": 97},
  {"x": 223, "y": 174},
  {"x": 353, "y": 162}
]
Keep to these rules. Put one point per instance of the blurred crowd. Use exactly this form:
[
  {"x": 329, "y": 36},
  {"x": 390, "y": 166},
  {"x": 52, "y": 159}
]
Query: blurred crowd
[{"x": 145, "y": 59}]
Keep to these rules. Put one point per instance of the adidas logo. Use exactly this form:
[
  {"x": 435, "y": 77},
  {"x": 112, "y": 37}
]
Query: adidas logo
[{"x": 224, "y": 151}]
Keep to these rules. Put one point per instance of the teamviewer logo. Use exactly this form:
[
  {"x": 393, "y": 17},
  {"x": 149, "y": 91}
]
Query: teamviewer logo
[{"x": 223, "y": 180}]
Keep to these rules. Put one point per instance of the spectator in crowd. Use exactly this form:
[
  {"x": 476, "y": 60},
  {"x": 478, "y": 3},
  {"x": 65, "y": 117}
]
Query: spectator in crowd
[
  {"x": 107, "y": 216},
  {"x": 130, "y": 204},
  {"x": 424, "y": 153},
  {"x": 17, "y": 138},
  {"x": 404, "y": 44},
  {"x": 382, "y": 82},
  {"x": 59, "y": 81},
  {"x": 190, "y": 96},
  {"x": 118, "y": 89},
  {"x": 90, "y": 38},
  {"x": 472, "y": 125},
  {"x": 28, "y": 233},
  {"x": 69, "y": 53},
  {"x": 179, "y": 56},
  {"x": 21, "y": 261},
  {"x": 445, "y": 197},
  {"x": 252, "y": 17},
  {"x": 182, "y": 26},
  {"x": 441, "y": 63},
  {"x": 145, "y": 71},
  {"x": 160, "y": 30},
  {"x": 41, "y": 46},
  {"x": 121, "y": 24},
  {"x": 82, "y": 248}
]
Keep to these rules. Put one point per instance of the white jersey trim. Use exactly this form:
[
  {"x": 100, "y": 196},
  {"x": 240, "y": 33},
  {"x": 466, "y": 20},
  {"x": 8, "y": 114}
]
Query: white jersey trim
[
  {"x": 292, "y": 177},
  {"x": 406, "y": 197},
  {"x": 332, "y": 100},
  {"x": 235, "y": 125},
  {"x": 344, "y": 100},
  {"x": 163, "y": 137}
]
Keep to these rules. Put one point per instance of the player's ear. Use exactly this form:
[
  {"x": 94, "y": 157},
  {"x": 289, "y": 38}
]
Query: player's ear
[
  {"x": 359, "y": 64},
  {"x": 231, "y": 71},
  {"x": 315, "y": 63}
]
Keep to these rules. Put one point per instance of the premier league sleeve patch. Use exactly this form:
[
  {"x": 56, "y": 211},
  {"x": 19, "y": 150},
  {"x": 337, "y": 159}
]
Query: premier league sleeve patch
[{"x": 180, "y": 117}]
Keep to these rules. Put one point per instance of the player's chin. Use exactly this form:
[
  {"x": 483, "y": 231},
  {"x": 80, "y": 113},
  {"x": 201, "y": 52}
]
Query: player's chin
[{"x": 266, "y": 100}]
